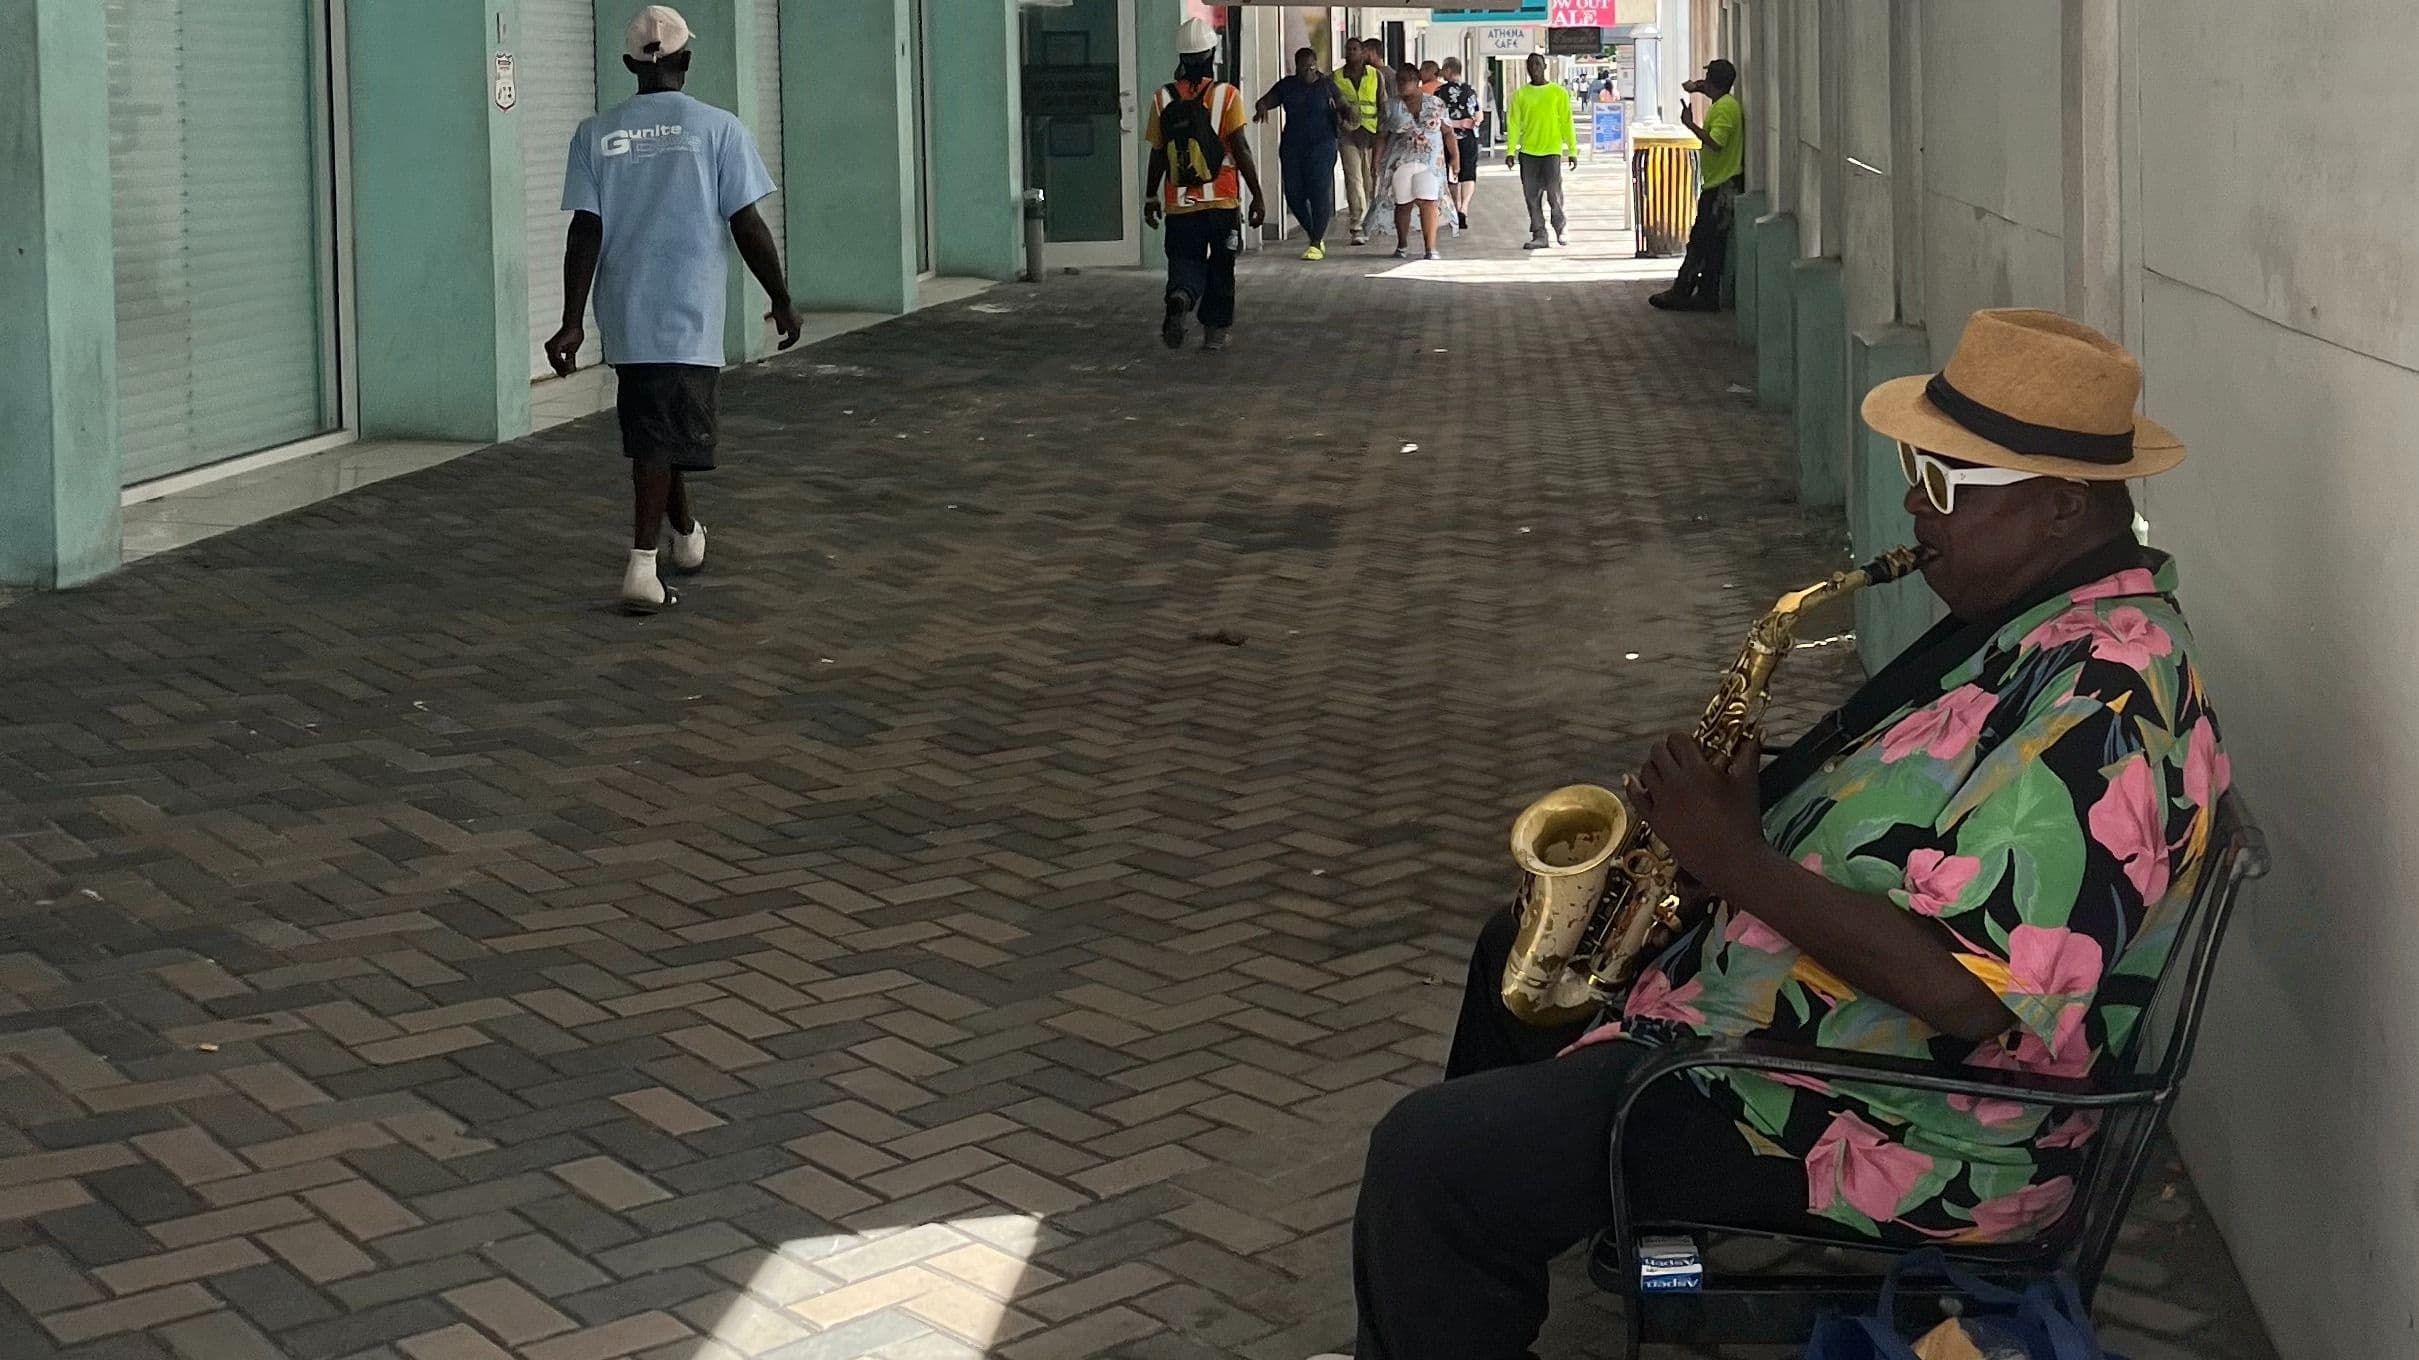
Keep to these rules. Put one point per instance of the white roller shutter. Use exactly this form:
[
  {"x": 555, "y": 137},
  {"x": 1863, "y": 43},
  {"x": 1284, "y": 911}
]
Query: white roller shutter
[
  {"x": 218, "y": 194},
  {"x": 767, "y": 123},
  {"x": 556, "y": 87}
]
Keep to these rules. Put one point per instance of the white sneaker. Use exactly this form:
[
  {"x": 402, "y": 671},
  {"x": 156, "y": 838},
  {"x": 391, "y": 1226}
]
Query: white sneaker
[
  {"x": 689, "y": 549},
  {"x": 642, "y": 591}
]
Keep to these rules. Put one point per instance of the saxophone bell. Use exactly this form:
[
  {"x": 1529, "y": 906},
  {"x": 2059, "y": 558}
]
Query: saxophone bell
[
  {"x": 1564, "y": 843},
  {"x": 1596, "y": 881}
]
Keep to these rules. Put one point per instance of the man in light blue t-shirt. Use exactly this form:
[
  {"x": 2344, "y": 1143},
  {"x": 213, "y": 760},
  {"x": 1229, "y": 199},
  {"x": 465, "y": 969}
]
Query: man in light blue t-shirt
[{"x": 654, "y": 185}]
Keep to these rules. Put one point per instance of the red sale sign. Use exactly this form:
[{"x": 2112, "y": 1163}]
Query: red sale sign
[{"x": 1583, "y": 13}]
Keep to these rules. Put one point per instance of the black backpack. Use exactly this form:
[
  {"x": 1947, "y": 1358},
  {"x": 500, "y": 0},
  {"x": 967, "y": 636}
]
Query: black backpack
[{"x": 1188, "y": 133}]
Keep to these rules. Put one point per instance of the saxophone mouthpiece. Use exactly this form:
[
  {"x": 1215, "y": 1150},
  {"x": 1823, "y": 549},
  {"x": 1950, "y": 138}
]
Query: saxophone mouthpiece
[{"x": 1899, "y": 563}]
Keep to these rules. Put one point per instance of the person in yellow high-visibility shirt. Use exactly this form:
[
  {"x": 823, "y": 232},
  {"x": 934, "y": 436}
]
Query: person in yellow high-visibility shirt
[
  {"x": 1360, "y": 80},
  {"x": 1540, "y": 140},
  {"x": 1722, "y": 166}
]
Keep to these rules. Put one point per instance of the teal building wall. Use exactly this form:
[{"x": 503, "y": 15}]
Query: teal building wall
[
  {"x": 59, "y": 523},
  {"x": 440, "y": 257}
]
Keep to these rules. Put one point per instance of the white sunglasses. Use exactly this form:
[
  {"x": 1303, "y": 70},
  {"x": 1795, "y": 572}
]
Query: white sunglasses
[{"x": 1940, "y": 481}]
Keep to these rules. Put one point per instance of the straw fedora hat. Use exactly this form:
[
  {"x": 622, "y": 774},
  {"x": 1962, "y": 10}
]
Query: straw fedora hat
[{"x": 2032, "y": 391}]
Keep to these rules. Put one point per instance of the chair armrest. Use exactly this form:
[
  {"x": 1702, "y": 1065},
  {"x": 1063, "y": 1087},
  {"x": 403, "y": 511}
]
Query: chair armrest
[{"x": 1770, "y": 1057}]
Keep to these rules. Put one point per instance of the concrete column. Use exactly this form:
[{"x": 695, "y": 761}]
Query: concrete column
[
  {"x": 1887, "y": 617},
  {"x": 1820, "y": 317},
  {"x": 1786, "y": 192},
  {"x": 845, "y": 96},
  {"x": 978, "y": 152},
  {"x": 1832, "y": 75},
  {"x": 722, "y": 73},
  {"x": 2095, "y": 249},
  {"x": 1749, "y": 209},
  {"x": 58, "y": 349},
  {"x": 1776, "y": 311},
  {"x": 1906, "y": 155},
  {"x": 440, "y": 252}
]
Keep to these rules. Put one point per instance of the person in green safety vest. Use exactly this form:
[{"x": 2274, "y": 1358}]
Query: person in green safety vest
[{"x": 1360, "y": 80}]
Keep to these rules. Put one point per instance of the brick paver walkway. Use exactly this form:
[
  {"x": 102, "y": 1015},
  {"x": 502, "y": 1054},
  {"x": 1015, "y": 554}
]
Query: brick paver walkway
[{"x": 987, "y": 915}]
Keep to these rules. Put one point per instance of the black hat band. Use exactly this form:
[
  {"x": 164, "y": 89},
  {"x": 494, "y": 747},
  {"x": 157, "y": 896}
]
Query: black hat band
[{"x": 2023, "y": 436}]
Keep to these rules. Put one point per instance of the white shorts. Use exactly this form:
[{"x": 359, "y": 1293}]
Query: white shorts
[{"x": 1413, "y": 183}]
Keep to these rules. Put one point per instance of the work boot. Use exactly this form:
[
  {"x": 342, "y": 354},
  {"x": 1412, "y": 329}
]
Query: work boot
[
  {"x": 1174, "y": 324},
  {"x": 1665, "y": 301},
  {"x": 1537, "y": 243},
  {"x": 1213, "y": 338}
]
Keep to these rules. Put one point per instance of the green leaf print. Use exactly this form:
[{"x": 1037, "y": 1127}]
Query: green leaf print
[{"x": 2033, "y": 821}]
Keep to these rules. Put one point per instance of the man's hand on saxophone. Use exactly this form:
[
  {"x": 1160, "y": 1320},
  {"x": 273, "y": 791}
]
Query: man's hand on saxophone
[{"x": 1707, "y": 816}]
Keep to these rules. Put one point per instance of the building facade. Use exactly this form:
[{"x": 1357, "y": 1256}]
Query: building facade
[
  {"x": 2182, "y": 176},
  {"x": 244, "y": 229}
]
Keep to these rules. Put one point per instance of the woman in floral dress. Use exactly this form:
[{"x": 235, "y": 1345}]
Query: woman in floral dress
[{"x": 1416, "y": 153}]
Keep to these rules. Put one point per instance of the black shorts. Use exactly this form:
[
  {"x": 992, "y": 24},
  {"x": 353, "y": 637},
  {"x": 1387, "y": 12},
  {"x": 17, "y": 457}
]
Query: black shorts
[
  {"x": 1469, "y": 157},
  {"x": 669, "y": 414}
]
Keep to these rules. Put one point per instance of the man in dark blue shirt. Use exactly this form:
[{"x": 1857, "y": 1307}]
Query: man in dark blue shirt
[{"x": 1307, "y": 149}]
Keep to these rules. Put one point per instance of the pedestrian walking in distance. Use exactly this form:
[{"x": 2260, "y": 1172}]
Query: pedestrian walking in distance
[
  {"x": 1540, "y": 139},
  {"x": 1360, "y": 81},
  {"x": 1315, "y": 112},
  {"x": 654, "y": 186},
  {"x": 1722, "y": 165},
  {"x": 1200, "y": 167},
  {"x": 1416, "y": 155},
  {"x": 1461, "y": 115}
]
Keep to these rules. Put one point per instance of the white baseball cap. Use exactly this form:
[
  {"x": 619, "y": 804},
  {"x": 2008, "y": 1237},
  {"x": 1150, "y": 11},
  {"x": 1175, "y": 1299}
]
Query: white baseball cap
[{"x": 658, "y": 31}]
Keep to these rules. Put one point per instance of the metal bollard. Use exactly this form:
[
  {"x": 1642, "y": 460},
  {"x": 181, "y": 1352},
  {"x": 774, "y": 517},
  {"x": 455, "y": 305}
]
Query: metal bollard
[{"x": 1036, "y": 226}]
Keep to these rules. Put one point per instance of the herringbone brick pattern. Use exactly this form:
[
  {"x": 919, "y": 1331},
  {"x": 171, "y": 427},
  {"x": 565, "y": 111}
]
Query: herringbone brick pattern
[{"x": 983, "y": 919}]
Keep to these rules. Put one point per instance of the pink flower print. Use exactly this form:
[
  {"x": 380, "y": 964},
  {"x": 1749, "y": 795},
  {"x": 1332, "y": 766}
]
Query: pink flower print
[
  {"x": 2052, "y": 961},
  {"x": 2130, "y": 639},
  {"x": 2067, "y": 1056},
  {"x": 1814, "y": 1084},
  {"x": 1943, "y": 729},
  {"x": 1989, "y": 1112},
  {"x": 2072, "y": 1132},
  {"x": 2208, "y": 771},
  {"x": 2131, "y": 581},
  {"x": 2034, "y": 1206},
  {"x": 1754, "y": 934},
  {"x": 2072, "y": 625},
  {"x": 1935, "y": 881},
  {"x": 1856, "y": 1162},
  {"x": 1655, "y": 997},
  {"x": 2126, "y": 636},
  {"x": 2130, "y": 822}
]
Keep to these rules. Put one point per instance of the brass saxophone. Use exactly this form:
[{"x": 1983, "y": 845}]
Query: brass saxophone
[{"x": 1596, "y": 880}]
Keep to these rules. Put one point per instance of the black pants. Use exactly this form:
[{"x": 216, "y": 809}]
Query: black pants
[
  {"x": 1201, "y": 250},
  {"x": 1310, "y": 186},
  {"x": 1474, "y": 1186},
  {"x": 1541, "y": 184},
  {"x": 1700, "y": 278}
]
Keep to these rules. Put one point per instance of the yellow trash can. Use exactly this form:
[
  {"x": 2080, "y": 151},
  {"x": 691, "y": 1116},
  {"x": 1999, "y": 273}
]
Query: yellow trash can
[{"x": 1663, "y": 190}]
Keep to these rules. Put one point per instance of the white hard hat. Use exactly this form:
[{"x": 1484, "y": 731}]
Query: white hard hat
[{"x": 1196, "y": 36}]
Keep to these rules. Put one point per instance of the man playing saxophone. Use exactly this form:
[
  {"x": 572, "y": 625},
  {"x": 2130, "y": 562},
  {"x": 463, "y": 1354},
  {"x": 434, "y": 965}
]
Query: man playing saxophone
[{"x": 1977, "y": 859}]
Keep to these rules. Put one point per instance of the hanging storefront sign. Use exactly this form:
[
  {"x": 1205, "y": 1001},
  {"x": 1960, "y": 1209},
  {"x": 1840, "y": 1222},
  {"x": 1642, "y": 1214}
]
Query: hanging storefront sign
[
  {"x": 1510, "y": 40},
  {"x": 1575, "y": 42},
  {"x": 1510, "y": 11}
]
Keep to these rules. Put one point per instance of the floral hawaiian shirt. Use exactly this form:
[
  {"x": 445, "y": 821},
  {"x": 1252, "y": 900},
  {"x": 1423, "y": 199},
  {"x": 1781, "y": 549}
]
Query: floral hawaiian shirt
[{"x": 2049, "y": 803}]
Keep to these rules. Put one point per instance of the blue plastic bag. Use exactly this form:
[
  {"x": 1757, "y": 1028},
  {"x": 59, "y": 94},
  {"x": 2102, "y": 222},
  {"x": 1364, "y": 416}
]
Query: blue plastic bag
[{"x": 2046, "y": 1321}]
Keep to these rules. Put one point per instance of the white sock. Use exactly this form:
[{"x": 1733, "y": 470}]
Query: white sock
[{"x": 639, "y": 581}]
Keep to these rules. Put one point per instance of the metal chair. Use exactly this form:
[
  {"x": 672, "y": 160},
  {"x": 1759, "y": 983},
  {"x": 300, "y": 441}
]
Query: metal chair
[{"x": 2134, "y": 1096}]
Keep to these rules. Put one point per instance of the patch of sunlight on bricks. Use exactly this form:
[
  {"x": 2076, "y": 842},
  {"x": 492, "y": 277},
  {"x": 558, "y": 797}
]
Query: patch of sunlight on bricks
[{"x": 937, "y": 1291}]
